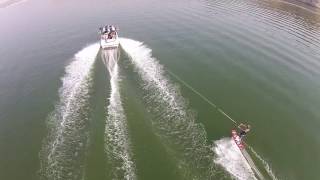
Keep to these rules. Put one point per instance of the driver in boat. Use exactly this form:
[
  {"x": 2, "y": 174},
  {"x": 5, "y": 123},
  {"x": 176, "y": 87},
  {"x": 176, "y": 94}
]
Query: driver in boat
[
  {"x": 104, "y": 32},
  {"x": 110, "y": 35},
  {"x": 244, "y": 129},
  {"x": 111, "y": 32}
]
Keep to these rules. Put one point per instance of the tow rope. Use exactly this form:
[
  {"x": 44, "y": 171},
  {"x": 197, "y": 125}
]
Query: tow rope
[{"x": 203, "y": 97}]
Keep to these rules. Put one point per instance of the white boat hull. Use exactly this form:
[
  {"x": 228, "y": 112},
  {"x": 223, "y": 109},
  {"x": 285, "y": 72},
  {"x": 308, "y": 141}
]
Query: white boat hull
[{"x": 109, "y": 43}]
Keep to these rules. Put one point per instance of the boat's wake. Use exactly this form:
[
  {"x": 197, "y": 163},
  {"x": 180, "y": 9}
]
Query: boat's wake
[
  {"x": 116, "y": 137},
  {"x": 63, "y": 151},
  {"x": 172, "y": 120}
]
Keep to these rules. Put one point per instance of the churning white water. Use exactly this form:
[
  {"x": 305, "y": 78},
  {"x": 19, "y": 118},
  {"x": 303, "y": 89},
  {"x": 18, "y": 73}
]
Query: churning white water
[
  {"x": 116, "y": 136},
  {"x": 228, "y": 155},
  {"x": 63, "y": 151},
  {"x": 173, "y": 121}
]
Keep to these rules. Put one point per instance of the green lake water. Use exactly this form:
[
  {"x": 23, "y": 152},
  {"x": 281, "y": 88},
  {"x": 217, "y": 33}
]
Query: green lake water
[{"x": 69, "y": 110}]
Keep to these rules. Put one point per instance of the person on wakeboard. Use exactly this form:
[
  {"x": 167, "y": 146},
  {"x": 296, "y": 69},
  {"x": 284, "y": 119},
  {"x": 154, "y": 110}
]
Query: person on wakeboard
[{"x": 244, "y": 129}]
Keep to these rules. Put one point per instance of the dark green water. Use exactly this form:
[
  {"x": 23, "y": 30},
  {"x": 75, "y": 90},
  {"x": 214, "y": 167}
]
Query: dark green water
[{"x": 63, "y": 115}]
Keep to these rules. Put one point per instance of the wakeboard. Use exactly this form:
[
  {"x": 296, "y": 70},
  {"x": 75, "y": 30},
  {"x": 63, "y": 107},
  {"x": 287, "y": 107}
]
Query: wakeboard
[{"x": 237, "y": 139}]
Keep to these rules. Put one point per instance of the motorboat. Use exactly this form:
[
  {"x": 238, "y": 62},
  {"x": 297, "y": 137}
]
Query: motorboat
[{"x": 109, "y": 37}]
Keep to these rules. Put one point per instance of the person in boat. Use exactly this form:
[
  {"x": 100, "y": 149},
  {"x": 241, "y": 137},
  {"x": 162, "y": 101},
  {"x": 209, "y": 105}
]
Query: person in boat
[
  {"x": 112, "y": 28},
  {"x": 244, "y": 129},
  {"x": 110, "y": 35},
  {"x": 104, "y": 30},
  {"x": 113, "y": 33}
]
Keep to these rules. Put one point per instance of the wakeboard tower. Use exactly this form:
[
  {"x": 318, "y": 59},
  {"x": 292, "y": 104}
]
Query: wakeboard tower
[
  {"x": 236, "y": 138},
  {"x": 109, "y": 37}
]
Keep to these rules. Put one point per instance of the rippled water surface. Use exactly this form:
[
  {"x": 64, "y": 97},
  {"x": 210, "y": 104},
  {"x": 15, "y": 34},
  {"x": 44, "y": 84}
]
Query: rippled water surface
[{"x": 154, "y": 108}]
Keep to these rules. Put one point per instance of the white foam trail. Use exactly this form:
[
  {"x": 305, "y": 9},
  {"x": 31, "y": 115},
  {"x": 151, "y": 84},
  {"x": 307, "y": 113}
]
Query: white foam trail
[
  {"x": 230, "y": 157},
  {"x": 150, "y": 69},
  {"x": 265, "y": 164},
  {"x": 173, "y": 122},
  {"x": 63, "y": 149},
  {"x": 110, "y": 58},
  {"x": 117, "y": 142},
  {"x": 252, "y": 164}
]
